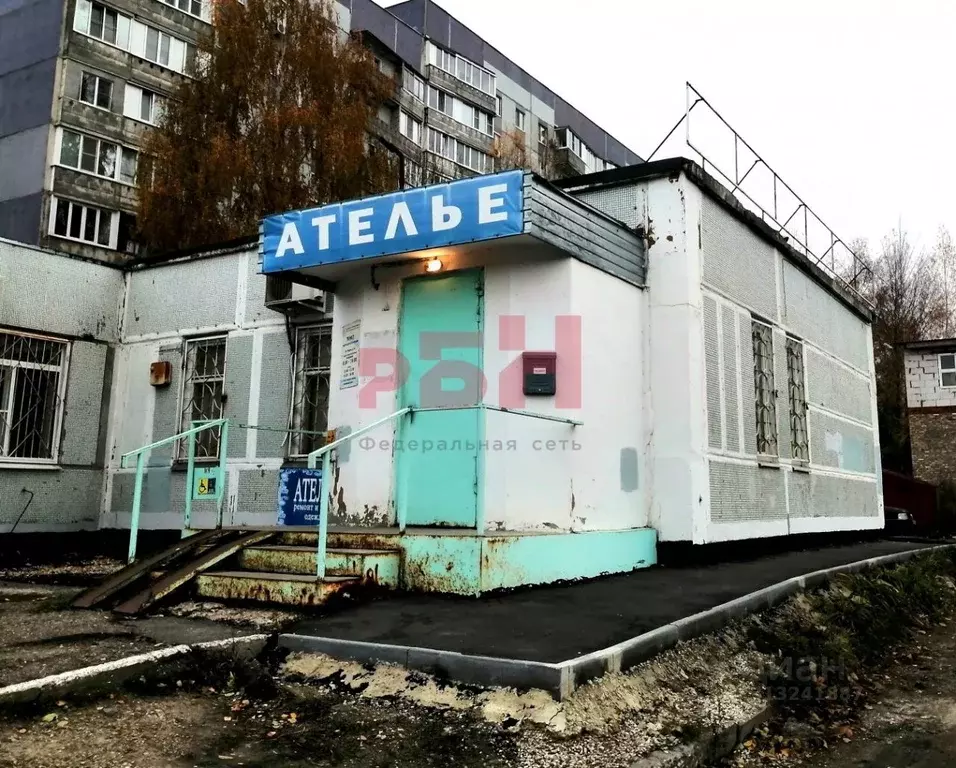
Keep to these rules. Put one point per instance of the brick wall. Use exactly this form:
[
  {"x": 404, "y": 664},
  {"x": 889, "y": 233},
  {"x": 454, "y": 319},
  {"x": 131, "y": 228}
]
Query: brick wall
[
  {"x": 923, "y": 388},
  {"x": 933, "y": 438}
]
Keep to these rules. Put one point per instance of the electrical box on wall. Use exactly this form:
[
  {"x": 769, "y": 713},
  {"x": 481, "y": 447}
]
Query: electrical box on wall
[
  {"x": 539, "y": 372},
  {"x": 160, "y": 373}
]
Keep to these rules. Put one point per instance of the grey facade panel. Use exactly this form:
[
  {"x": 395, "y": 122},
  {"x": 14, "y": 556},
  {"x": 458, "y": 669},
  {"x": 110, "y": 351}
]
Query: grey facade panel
[
  {"x": 23, "y": 163},
  {"x": 736, "y": 262},
  {"x": 29, "y": 33},
  {"x": 587, "y": 235},
  {"x": 26, "y": 97},
  {"x": 50, "y": 498},
  {"x": 84, "y": 400},
  {"x": 275, "y": 386},
  {"x": 836, "y": 388},
  {"x": 238, "y": 376},
  {"x": 182, "y": 297},
  {"x": 48, "y": 292},
  {"x": 747, "y": 385},
  {"x": 712, "y": 366},
  {"x": 20, "y": 218},
  {"x": 732, "y": 414},
  {"x": 839, "y": 444},
  {"x": 740, "y": 493},
  {"x": 782, "y": 388},
  {"x": 258, "y": 491},
  {"x": 167, "y": 417}
]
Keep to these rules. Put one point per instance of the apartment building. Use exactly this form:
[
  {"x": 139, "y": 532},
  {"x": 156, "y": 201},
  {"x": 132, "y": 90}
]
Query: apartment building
[{"x": 81, "y": 81}]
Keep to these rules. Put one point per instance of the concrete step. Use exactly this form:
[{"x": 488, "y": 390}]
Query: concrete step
[
  {"x": 283, "y": 588},
  {"x": 349, "y": 538},
  {"x": 376, "y": 566}
]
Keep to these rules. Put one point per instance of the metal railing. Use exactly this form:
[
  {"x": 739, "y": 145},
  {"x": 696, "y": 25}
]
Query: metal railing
[
  {"x": 325, "y": 452},
  {"x": 142, "y": 453},
  {"x": 773, "y": 200}
]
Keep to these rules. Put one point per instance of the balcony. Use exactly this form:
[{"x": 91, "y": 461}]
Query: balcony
[
  {"x": 441, "y": 79},
  {"x": 442, "y": 122}
]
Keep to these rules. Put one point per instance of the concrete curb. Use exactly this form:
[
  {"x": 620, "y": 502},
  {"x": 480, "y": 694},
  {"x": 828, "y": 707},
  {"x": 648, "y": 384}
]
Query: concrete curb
[
  {"x": 631, "y": 652},
  {"x": 447, "y": 665},
  {"x": 115, "y": 672},
  {"x": 562, "y": 678},
  {"x": 712, "y": 746}
]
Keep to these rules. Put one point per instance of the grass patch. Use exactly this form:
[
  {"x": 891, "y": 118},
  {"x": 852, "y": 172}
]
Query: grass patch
[{"x": 828, "y": 644}]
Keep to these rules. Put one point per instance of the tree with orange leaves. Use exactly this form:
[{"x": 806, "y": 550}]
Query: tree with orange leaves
[{"x": 273, "y": 117}]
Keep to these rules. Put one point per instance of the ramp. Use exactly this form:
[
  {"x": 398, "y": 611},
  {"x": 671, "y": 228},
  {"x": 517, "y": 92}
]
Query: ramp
[
  {"x": 113, "y": 585},
  {"x": 235, "y": 541}
]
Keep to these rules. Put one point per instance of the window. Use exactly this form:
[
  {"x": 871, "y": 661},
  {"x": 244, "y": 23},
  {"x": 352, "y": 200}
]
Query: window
[
  {"x": 128, "y": 163},
  {"x": 413, "y": 84},
  {"x": 765, "y": 395},
  {"x": 520, "y": 119},
  {"x": 85, "y": 223},
  {"x": 310, "y": 393},
  {"x": 192, "y": 7},
  {"x": 101, "y": 158},
  {"x": 32, "y": 378},
  {"x": 143, "y": 105},
  {"x": 947, "y": 370},
  {"x": 157, "y": 46},
  {"x": 796, "y": 389},
  {"x": 96, "y": 90},
  {"x": 410, "y": 128},
  {"x": 498, "y": 105},
  {"x": 480, "y": 120},
  {"x": 103, "y": 23},
  {"x": 204, "y": 375},
  {"x": 542, "y": 133},
  {"x": 440, "y": 100}
]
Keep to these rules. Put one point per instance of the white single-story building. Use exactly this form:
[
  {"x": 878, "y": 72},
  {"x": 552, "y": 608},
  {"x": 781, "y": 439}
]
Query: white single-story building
[{"x": 559, "y": 378}]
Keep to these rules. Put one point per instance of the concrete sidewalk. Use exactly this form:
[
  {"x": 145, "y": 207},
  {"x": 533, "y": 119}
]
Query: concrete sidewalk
[{"x": 558, "y": 623}]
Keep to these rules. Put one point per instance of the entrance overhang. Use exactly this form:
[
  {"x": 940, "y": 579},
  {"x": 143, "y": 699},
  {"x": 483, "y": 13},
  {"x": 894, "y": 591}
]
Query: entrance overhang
[{"x": 514, "y": 217}]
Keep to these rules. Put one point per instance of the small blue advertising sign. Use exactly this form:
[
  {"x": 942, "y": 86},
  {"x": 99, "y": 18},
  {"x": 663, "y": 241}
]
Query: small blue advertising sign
[
  {"x": 463, "y": 211},
  {"x": 300, "y": 495}
]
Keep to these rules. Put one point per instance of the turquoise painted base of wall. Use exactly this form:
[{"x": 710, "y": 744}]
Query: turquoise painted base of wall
[{"x": 467, "y": 564}]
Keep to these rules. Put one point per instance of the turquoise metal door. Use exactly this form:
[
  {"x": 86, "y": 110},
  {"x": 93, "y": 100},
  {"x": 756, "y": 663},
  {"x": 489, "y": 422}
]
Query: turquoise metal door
[{"x": 440, "y": 338}]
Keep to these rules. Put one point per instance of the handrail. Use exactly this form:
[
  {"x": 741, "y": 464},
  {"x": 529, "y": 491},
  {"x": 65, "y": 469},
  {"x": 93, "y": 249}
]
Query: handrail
[
  {"x": 143, "y": 452},
  {"x": 326, "y": 453}
]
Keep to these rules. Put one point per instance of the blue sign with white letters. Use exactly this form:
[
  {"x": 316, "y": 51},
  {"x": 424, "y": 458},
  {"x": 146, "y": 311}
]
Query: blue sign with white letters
[
  {"x": 300, "y": 496},
  {"x": 463, "y": 211}
]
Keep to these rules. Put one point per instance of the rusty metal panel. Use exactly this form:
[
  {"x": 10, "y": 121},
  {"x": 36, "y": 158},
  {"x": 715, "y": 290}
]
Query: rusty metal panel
[{"x": 285, "y": 589}]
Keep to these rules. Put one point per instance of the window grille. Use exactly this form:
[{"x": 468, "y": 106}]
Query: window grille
[
  {"x": 765, "y": 395},
  {"x": 203, "y": 385},
  {"x": 799, "y": 441},
  {"x": 31, "y": 399},
  {"x": 310, "y": 396}
]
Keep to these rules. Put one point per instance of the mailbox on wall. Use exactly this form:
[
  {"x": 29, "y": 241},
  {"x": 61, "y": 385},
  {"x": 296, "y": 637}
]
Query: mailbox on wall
[{"x": 539, "y": 369}]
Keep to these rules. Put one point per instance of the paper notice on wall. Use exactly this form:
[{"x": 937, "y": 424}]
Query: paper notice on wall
[{"x": 351, "y": 334}]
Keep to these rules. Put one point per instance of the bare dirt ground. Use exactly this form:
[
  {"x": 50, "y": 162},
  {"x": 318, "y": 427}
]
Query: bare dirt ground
[
  {"x": 40, "y": 635},
  {"x": 910, "y": 724}
]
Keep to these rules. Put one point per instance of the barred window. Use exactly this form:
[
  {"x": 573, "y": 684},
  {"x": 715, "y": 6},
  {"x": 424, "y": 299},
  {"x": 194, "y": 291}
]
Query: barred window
[
  {"x": 32, "y": 379},
  {"x": 203, "y": 384},
  {"x": 765, "y": 395},
  {"x": 799, "y": 442},
  {"x": 310, "y": 395}
]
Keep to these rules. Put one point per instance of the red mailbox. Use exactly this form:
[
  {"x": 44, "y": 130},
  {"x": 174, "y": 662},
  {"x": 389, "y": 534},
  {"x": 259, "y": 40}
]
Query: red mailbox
[{"x": 539, "y": 369}]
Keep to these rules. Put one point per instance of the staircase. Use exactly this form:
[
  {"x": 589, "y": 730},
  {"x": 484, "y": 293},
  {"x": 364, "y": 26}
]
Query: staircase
[{"x": 283, "y": 570}]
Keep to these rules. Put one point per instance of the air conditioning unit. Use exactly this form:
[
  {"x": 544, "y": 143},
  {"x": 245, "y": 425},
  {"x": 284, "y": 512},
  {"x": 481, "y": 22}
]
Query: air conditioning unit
[{"x": 283, "y": 295}]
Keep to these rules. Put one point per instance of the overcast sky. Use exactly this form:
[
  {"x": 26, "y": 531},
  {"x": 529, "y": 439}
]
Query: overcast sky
[{"x": 851, "y": 101}]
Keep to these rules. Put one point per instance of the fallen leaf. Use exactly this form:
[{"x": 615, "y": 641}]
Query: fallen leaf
[{"x": 50, "y": 717}]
